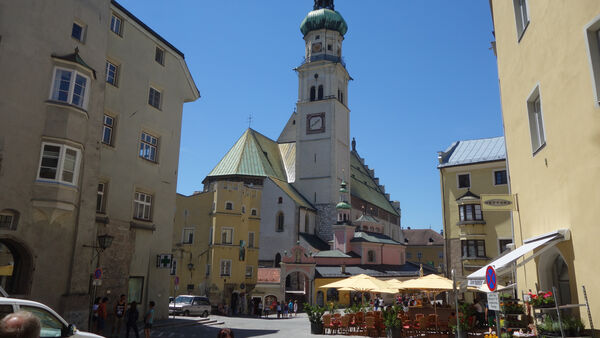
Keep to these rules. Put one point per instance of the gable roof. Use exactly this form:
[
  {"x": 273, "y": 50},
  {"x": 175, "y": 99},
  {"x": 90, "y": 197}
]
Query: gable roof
[
  {"x": 268, "y": 275},
  {"x": 364, "y": 187},
  {"x": 314, "y": 241},
  {"x": 418, "y": 237},
  {"x": 372, "y": 237},
  {"x": 473, "y": 151}
]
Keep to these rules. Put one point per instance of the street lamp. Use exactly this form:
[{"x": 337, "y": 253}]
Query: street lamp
[
  {"x": 104, "y": 242},
  {"x": 190, "y": 267}
]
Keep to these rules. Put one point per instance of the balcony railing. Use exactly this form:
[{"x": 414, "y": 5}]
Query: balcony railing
[{"x": 325, "y": 57}]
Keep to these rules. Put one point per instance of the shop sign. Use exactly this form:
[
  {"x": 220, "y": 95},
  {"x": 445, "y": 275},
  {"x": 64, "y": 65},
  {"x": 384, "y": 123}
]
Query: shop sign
[
  {"x": 493, "y": 300},
  {"x": 491, "y": 202}
]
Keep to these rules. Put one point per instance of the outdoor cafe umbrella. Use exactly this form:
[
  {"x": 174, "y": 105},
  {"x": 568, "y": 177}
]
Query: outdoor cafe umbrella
[
  {"x": 394, "y": 283},
  {"x": 362, "y": 283},
  {"x": 432, "y": 283}
]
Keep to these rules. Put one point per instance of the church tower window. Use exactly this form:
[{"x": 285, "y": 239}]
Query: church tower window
[
  {"x": 320, "y": 92},
  {"x": 312, "y": 93},
  {"x": 280, "y": 220}
]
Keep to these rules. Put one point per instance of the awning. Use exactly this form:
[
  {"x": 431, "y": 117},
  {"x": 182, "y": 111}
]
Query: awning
[{"x": 503, "y": 263}]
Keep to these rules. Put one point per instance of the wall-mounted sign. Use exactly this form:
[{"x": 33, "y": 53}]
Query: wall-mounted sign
[{"x": 491, "y": 202}]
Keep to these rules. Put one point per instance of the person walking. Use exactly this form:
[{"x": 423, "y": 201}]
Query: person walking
[
  {"x": 102, "y": 315},
  {"x": 120, "y": 309},
  {"x": 260, "y": 309},
  {"x": 290, "y": 308},
  {"x": 149, "y": 319},
  {"x": 278, "y": 310},
  {"x": 131, "y": 318},
  {"x": 94, "y": 326},
  {"x": 295, "y": 308},
  {"x": 284, "y": 309}
]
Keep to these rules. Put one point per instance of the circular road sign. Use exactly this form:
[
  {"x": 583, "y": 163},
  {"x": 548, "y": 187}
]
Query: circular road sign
[
  {"x": 176, "y": 280},
  {"x": 490, "y": 278},
  {"x": 97, "y": 273}
]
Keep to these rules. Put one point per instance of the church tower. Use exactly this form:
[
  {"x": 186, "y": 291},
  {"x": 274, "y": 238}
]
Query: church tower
[{"x": 323, "y": 128}]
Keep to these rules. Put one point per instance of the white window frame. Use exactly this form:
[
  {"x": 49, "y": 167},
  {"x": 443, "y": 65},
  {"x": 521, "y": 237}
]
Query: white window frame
[
  {"x": 151, "y": 98},
  {"x": 60, "y": 168},
  {"x": 146, "y": 206},
  {"x": 184, "y": 238},
  {"x": 102, "y": 196},
  {"x": 494, "y": 177},
  {"x": 227, "y": 203},
  {"x": 458, "y": 180},
  {"x": 146, "y": 145},
  {"x": 521, "y": 17},
  {"x": 535, "y": 114},
  {"x": 223, "y": 230},
  {"x": 503, "y": 239},
  {"x": 163, "y": 55},
  {"x": 83, "y": 30},
  {"x": 115, "y": 77},
  {"x": 251, "y": 243},
  {"x": 592, "y": 35},
  {"x": 71, "y": 90},
  {"x": 113, "y": 19},
  {"x": 110, "y": 126},
  {"x": 6, "y": 215},
  {"x": 223, "y": 268},
  {"x": 251, "y": 268}
]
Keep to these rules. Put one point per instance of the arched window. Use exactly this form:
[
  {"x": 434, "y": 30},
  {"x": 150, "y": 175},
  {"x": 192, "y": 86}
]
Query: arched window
[
  {"x": 277, "y": 259},
  {"x": 332, "y": 295},
  {"x": 253, "y": 212},
  {"x": 306, "y": 223},
  {"x": 312, "y": 93},
  {"x": 280, "y": 200},
  {"x": 371, "y": 256},
  {"x": 228, "y": 206},
  {"x": 279, "y": 221},
  {"x": 342, "y": 97},
  {"x": 320, "y": 92}
]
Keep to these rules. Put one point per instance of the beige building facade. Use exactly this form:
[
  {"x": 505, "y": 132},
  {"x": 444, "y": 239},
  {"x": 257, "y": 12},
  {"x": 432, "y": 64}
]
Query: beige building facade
[
  {"x": 473, "y": 237},
  {"x": 89, "y": 146},
  {"x": 549, "y": 69},
  {"x": 424, "y": 246}
]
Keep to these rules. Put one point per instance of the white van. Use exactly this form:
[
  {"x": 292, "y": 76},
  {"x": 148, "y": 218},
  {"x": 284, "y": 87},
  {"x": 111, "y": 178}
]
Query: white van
[
  {"x": 190, "y": 305},
  {"x": 53, "y": 325}
]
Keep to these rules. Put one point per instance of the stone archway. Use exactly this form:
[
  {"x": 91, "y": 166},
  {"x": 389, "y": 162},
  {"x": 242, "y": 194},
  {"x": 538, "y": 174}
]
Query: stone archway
[
  {"x": 300, "y": 266},
  {"x": 553, "y": 271},
  {"x": 16, "y": 266}
]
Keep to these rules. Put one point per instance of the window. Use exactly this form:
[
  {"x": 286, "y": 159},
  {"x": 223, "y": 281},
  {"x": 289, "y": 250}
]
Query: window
[
  {"x": 371, "y": 256},
  {"x": 536, "y": 121},
  {"x": 135, "y": 288},
  {"x": 154, "y": 98},
  {"x": 159, "y": 56},
  {"x": 408, "y": 255},
  {"x": 6, "y": 220},
  {"x": 306, "y": 223},
  {"x": 464, "y": 180},
  {"x": 441, "y": 255},
  {"x": 251, "y": 239},
  {"x": 226, "y": 236},
  {"x": 225, "y": 267},
  {"x": 188, "y": 236},
  {"x": 521, "y": 16},
  {"x": 228, "y": 206},
  {"x": 174, "y": 267},
  {"x": 312, "y": 93},
  {"x": 320, "y": 94},
  {"x": 108, "y": 125},
  {"x": 243, "y": 209},
  {"x": 142, "y": 206},
  {"x": 333, "y": 295},
  {"x": 112, "y": 72},
  {"x": 280, "y": 220},
  {"x": 503, "y": 243},
  {"x": 116, "y": 24},
  {"x": 500, "y": 177},
  {"x": 280, "y": 200},
  {"x": 148, "y": 147},
  {"x": 473, "y": 248},
  {"x": 210, "y": 236},
  {"x": 100, "y": 198},
  {"x": 59, "y": 163},
  {"x": 249, "y": 270},
  {"x": 470, "y": 212},
  {"x": 69, "y": 86},
  {"x": 78, "y": 31},
  {"x": 50, "y": 325},
  {"x": 253, "y": 212},
  {"x": 419, "y": 255}
]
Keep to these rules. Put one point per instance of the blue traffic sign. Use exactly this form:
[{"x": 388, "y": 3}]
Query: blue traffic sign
[
  {"x": 490, "y": 278},
  {"x": 98, "y": 273}
]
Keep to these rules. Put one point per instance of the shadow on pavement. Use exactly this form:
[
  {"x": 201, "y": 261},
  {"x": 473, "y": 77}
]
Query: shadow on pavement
[{"x": 213, "y": 331}]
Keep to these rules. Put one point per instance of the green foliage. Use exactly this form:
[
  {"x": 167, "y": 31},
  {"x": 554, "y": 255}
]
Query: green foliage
[
  {"x": 572, "y": 326},
  {"x": 465, "y": 311},
  {"x": 355, "y": 308},
  {"x": 390, "y": 317},
  {"x": 506, "y": 335},
  {"x": 331, "y": 307},
  {"x": 315, "y": 313},
  {"x": 512, "y": 307}
]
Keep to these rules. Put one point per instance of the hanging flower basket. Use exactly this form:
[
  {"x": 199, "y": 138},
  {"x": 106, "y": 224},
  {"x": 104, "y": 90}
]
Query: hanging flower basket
[{"x": 542, "y": 299}]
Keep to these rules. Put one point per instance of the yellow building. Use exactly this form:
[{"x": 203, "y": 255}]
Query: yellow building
[
  {"x": 216, "y": 243},
  {"x": 473, "y": 237},
  {"x": 424, "y": 246},
  {"x": 549, "y": 70}
]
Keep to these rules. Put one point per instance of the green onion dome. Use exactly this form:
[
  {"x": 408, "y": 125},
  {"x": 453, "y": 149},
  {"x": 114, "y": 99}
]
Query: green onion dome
[
  {"x": 343, "y": 186},
  {"x": 323, "y": 18},
  {"x": 343, "y": 205}
]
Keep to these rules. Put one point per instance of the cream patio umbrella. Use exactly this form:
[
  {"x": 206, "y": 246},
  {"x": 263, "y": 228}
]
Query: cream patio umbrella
[
  {"x": 394, "y": 284},
  {"x": 432, "y": 283},
  {"x": 362, "y": 283}
]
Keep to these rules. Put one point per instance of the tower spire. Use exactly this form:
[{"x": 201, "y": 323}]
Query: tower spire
[{"x": 323, "y": 4}]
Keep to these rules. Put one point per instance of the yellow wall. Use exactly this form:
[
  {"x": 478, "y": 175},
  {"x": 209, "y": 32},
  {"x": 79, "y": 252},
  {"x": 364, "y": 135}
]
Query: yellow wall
[
  {"x": 497, "y": 223},
  {"x": 430, "y": 253},
  {"x": 558, "y": 187},
  {"x": 344, "y": 296}
]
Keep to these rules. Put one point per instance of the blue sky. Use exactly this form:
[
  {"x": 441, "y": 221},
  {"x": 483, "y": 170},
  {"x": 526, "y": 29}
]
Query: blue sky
[{"x": 424, "y": 77}]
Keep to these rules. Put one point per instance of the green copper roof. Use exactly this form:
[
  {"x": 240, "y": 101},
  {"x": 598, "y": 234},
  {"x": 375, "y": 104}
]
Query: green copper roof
[
  {"x": 343, "y": 205},
  {"x": 343, "y": 187},
  {"x": 361, "y": 236},
  {"x": 323, "y": 19},
  {"x": 364, "y": 187}
]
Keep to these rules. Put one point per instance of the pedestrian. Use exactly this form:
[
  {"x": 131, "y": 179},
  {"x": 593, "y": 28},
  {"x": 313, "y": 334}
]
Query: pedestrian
[
  {"x": 260, "y": 309},
  {"x": 376, "y": 303},
  {"x": 94, "y": 327},
  {"x": 225, "y": 333},
  {"x": 291, "y": 308},
  {"x": 278, "y": 310},
  {"x": 381, "y": 303},
  {"x": 131, "y": 318},
  {"x": 102, "y": 315},
  {"x": 284, "y": 309},
  {"x": 149, "y": 319},
  {"x": 21, "y": 324},
  {"x": 120, "y": 309},
  {"x": 295, "y": 308}
]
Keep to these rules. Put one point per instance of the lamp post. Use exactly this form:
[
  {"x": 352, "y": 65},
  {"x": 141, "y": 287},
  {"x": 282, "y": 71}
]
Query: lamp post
[
  {"x": 104, "y": 242},
  {"x": 190, "y": 267}
]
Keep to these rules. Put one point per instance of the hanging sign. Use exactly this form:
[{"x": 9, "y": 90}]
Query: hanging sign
[{"x": 493, "y": 300}]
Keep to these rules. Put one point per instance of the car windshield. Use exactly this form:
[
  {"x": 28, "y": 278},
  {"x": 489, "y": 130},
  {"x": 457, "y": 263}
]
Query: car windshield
[{"x": 184, "y": 300}]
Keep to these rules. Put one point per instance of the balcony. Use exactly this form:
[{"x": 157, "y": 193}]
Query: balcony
[{"x": 325, "y": 57}]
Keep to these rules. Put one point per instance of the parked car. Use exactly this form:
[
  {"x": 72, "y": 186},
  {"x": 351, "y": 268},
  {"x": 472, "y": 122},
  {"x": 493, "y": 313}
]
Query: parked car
[
  {"x": 190, "y": 305},
  {"x": 53, "y": 325}
]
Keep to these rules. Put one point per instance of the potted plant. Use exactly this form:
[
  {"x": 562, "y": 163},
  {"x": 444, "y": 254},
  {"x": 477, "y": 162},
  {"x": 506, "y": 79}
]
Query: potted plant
[
  {"x": 542, "y": 299},
  {"x": 466, "y": 311},
  {"x": 393, "y": 324},
  {"x": 315, "y": 316}
]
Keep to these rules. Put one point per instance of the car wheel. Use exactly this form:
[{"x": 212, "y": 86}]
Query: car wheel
[
  {"x": 186, "y": 313},
  {"x": 205, "y": 314}
]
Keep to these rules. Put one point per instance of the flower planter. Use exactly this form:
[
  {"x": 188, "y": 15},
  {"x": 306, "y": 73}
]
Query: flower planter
[{"x": 316, "y": 328}]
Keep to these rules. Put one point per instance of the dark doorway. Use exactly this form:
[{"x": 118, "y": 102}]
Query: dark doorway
[{"x": 16, "y": 266}]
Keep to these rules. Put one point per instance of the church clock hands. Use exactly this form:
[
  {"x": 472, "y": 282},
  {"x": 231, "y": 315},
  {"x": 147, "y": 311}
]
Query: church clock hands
[{"x": 316, "y": 123}]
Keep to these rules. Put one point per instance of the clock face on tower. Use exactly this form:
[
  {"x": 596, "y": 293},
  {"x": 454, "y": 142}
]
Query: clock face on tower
[{"x": 315, "y": 123}]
